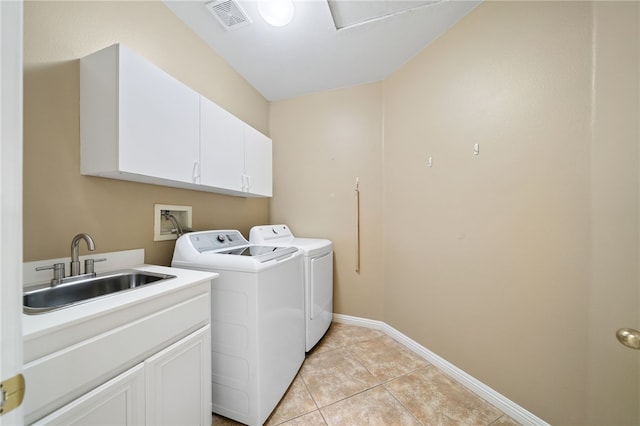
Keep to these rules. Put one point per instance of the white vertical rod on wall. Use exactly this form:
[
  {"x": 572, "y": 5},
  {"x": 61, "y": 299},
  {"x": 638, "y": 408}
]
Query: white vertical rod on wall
[{"x": 358, "y": 225}]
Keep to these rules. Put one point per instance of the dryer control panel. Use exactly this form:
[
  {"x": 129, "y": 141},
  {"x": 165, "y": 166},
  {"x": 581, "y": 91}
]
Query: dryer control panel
[{"x": 271, "y": 234}]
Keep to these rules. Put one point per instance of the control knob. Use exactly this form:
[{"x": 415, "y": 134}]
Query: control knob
[{"x": 222, "y": 238}]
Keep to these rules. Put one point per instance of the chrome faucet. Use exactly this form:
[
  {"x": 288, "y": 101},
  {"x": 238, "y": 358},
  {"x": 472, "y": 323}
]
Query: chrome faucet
[{"x": 75, "y": 262}]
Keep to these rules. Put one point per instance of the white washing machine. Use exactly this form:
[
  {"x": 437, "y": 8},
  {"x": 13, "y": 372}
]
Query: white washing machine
[
  {"x": 257, "y": 319},
  {"x": 318, "y": 275}
]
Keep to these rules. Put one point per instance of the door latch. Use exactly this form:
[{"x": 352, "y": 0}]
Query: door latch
[
  {"x": 11, "y": 393},
  {"x": 629, "y": 337}
]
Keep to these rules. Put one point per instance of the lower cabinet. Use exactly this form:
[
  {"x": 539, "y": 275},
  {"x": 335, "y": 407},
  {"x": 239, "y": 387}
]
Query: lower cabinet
[
  {"x": 178, "y": 382},
  {"x": 171, "y": 387}
]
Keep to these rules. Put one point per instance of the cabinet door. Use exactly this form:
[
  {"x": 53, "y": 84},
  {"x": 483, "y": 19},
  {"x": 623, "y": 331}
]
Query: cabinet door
[
  {"x": 179, "y": 382},
  {"x": 257, "y": 162},
  {"x": 120, "y": 401},
  {"x": 158, "y": 121},
  {"x": 221, "y": 147}
]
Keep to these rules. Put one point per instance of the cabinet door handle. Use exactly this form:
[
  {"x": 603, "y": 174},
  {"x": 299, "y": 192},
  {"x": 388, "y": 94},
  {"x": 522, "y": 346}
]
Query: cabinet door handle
[
  {"x": 195, "y": 173},
  {"x": 248, "y": 182}
]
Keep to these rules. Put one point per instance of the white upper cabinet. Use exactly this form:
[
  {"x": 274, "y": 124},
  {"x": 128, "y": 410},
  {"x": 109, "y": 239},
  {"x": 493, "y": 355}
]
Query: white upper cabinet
[
  {"x": 257, "y": 162},
  {"x": 138, "y": 123},
  {"x": 221, "y": 147},
  {"x": 234, "y": 156}
]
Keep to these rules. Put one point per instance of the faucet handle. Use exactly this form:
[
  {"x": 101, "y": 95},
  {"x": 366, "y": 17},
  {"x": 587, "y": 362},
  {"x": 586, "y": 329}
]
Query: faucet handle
[
  {"x": 88, "y": 265},
  {"x": 58, "y": 272}
]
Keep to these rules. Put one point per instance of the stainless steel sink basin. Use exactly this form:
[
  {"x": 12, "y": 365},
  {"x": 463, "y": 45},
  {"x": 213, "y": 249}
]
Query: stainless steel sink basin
[{"x": 84, "y": 290}]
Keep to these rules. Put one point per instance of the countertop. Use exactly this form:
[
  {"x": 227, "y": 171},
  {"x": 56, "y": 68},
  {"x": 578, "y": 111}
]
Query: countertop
[{"x": 34, "y": 326}]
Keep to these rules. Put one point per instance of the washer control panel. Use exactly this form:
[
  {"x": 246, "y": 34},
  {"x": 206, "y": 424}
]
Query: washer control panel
[{"x": 216, "y": 240}]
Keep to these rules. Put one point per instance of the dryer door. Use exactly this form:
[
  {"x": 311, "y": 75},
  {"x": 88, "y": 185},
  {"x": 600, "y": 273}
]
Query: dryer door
[{"x": 321, "y": 287}]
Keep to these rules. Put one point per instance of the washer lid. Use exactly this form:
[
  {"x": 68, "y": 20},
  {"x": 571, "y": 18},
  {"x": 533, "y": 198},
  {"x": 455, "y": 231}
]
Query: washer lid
[
  {"x": 260, "y": 253},
  {"x": 227, "y": 250}
]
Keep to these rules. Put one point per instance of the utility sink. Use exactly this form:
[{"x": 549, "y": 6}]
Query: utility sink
[{"x": 82, "y": 290}]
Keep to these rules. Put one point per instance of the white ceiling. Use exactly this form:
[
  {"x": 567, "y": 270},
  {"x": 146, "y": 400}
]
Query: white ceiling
[{"x": 309, "y": 55}]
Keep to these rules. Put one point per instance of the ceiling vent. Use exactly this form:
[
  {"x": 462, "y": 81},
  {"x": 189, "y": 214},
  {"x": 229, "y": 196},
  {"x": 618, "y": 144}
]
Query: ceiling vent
[{"x": 229, "y": 14}]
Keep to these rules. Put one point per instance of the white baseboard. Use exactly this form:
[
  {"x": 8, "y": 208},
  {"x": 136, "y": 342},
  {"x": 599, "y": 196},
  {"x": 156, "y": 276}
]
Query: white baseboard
[{"x": 498, "y": 400}]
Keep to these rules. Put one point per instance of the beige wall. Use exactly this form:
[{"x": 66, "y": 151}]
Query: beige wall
[
  {"x": 516, "y": 265},
  {"x": 500, "y": 284},
  {"x": 615, "y": 146},
  {"x": 58, "y": 201},
  {"x": 322, "y": 143}
]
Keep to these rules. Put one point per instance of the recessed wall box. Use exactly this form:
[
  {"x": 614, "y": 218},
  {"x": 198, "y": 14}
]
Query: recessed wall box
[{"x": 164, "y": 227}]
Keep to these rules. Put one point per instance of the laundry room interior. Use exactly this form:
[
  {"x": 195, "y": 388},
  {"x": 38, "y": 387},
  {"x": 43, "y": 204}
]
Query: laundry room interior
[{"x": 482, "y": 199}]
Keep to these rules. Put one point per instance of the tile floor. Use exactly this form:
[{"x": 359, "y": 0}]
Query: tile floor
[{"x": 359, "y": 376}]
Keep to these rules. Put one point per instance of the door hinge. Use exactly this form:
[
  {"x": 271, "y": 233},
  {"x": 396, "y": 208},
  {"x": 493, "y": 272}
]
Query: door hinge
[{"x": 11, "y": 393}]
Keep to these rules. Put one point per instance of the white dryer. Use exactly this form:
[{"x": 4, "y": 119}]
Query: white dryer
[
  {"x": 318, "y": 275},
  {"x": 257, "y": 319}
]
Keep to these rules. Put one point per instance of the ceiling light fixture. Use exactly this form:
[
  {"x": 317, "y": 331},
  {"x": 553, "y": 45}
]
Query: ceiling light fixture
[{"x": 276, "y": 12}]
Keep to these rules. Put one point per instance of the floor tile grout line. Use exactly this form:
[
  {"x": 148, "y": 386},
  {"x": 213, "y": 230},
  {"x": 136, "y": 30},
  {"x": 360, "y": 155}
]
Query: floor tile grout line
[
  {"x": 298, "y": 374},
  {"x": 403, "y": 406},
  {"x": 378, "y": 382},
  {"x": 496, "y": 420},
  {"x": 355, "y": 356},
  {"x": 350, "y": 396},
  {"x": 301, "y": 415},
  {"x": 350, "y": 340},
  {"x": 407, "y": 373},
  {"x": 324, "y": 419},
  {"x": 381, "y": 381},
  {"x": 304, "y": 382},
  {"x": 367, "y": 390},
  {"x": 346, "y": 397}
]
